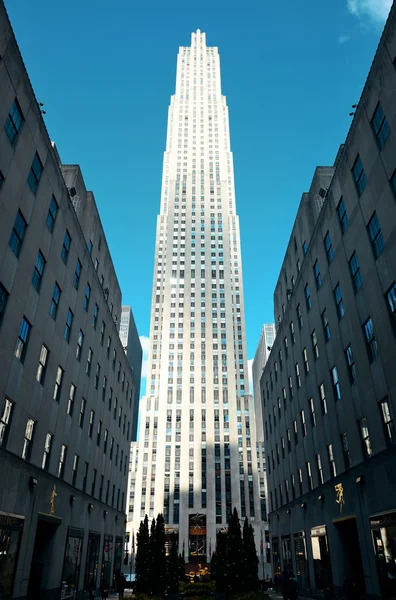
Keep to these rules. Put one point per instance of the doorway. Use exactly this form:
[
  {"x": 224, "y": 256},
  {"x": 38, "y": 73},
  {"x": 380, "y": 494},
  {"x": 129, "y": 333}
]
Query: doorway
[
  {"x": 41, "y": 558},
  {"x": 353, "y": 566}
]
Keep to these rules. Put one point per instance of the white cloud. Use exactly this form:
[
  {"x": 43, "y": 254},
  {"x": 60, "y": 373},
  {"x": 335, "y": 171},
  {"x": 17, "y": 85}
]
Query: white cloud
[
  {"x": 250, "y": 375},
  {"x": 376, "y": 10},
  {"x": 144, "y": 340},
  {"x": 343, "y": 38}
]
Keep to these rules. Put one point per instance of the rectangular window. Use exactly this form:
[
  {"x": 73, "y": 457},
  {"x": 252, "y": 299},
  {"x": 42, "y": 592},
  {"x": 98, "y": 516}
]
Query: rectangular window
[
  {"x": 68, "y": 326},
  {"x": 371, "y": 342},
  {"x": 52, "y": 212},
  {"x": 319, "y": 468},
  {"x": 315, "y": 347},
  {"x": 3, "y": 301},
  {"x": 70, "y": 402},
  {"x": 309, "y": 475},
  {"x": 82, "y": 412},
  {"x": 295, "y": 432},
  {"x": 95, "y": 316},
  {"x": 75, "y": 469},
  {"x": 80, "y": 342},
  {"x": 28, "y": 439},
  {"x": 336, "y": 384},
  {"x": 350, "y": 363},
  {"x": 345, "y": 450},
  {"x": 47, "y": 451},
  {"x": 390, "y": 296},
  {"x": 99, "y": 433},
  {"x": 308, "y": 299},
  {"x": 102, "y": 333},
  {"x": 306, "y": 363},
  {"x": 375, "y": 234},
  {"x": 387, "y": 422},
  {"x": 87, "y": 296},
  {"x": 332, "y": 464},
  {"x": 23, "y": 340},
  {"x": 323, "y": 401},
  {"x": 318, "y": 278},
  {"x": 5, "y": 422},
  {"x": 62, "y": 461},
  {"x": 393, "y": 182},
  {"x": 364, "y": 437},
  {"x": 303, "y": 424},
  {"x": 342, "y": 215},
  {"x": 89, "y": 362},
  {"x": 305, "y": 248},
  {"x": 359, "y": 175},
  {"x": 97, "y": 376},
  {"x": 292, "y": 333},
  {"x": 38, "y": 271},
  {"x": 66, "y": 247},
  {"x": 77, "y": 274},
  {"x": 35, "y": 173},
  {"x": 312, "y": 409},
  {"x": 299, "y": 316},
  {"x": 104, "y": 388},
  {"x": 14, "y": 121},
  {"x": 91, "y": 423},
  {"x": 56, "y": 294},
  {"x": 93, "y": 484},
  {"x": 355, "y": 272},
  {"x": 325, "y": 323},
  {"x": 328, "y": 248},
  {"x": 58, "y": 383},
  {"x": 42, "y": 366},
  {"x": 2, "y": 179},
  {"x": 380, "y": 126},
  {"x": 85, "y": 477},
  {"x": 298, "y": 376},
  {"x": 18, "y": 234},
  {"x": 339, "y": 302}
]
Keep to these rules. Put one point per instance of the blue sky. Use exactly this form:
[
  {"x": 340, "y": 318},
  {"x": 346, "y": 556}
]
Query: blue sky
[{"x": 290, "y": 70}]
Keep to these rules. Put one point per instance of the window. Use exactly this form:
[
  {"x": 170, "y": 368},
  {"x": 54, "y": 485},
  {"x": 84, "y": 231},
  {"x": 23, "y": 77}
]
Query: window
[
  {"x": 299, "y": 316},
  {"x": 355, "y": 272},
  {"x": 328, "y": 248},
  {"x": 89, "y": 362},
  {"x": 375, "y": 234},
  {"x": 308, "y": 297},
  {"x": 380, "y": 126},
  {"x": 286, "y": 346},
  {"x": 306, "y": 363},
  {"x": 305, "y": 248},
  {"x": 52, "y": 212},
  {"x": 70, "y": 402},
  {"x": 58, "y": 383},
  {"x": 309, "y": 474},
  {"x": 338, "y": 300},
  {"x": 28, "y": 439},
  {"x": 387, "y": 422},
  {"x": 323, "y": 401},
  {"x": 350, "y": 363},
  {"x": 47, "y": 451},
  {"x": 77, "y": 274},
  {"x": 2, "y": 179},
  {"x": 38, "y": 271},
  {"x": 345, "y": 450},
  {"x": 295, "y": 432},
  {"x": 3, "y": 301},
  {"x": 80, "y": 342},
  {"x": 35, "y": 173},
  {"x": 85, "y": 477},
  {"x": 68, "y": 326},
  {"x": 102, "y": 333},
  {"x": 364, "y": 437},
  {"x": 99, "y": 433},
  {"x": 75, "y": 469},
  {"x": 303, "y": 423},
  {"x": 312, "y": 409},
  {"x": 325, "y": 323},
  {"x": 390, "y": 296},
  {"x": 342, "y": 215},
  {"x": 87, "y": 296},
  {"x": 318, "y": 278},
  {"x": 104, "y": 388},
  {"x": 62, "y": 461},
  {"x": 371, "y": 342},
  {"x": 392, "y": 182},
  {"x": 97, "y": 376},
  {"x": 332, "y": 465},
  {"x": 14, "y": 121},
  {"x": 82, "y": 412},
  {"x": 359, "y": 176},
  {"x": 55, "y": 301},
  {"x": 42, "y": 366},
  {"x": 90, "y": 246},
  {"x": 91, "y": 422},
  {"x": 336, "y": 384},
  {"x": 292, "y": 333},
  {"x": 298, "y": 376},
  {"x": 95, "y": 316},
  {"x": 23, "y": 340},
  {"x": 315, "y": 347},
  {"x": 5, "y": 422},
  {"x": 66, "y": 247},
  {"x": 17, "y": 234},
  {"x": 319, "y": 468}
]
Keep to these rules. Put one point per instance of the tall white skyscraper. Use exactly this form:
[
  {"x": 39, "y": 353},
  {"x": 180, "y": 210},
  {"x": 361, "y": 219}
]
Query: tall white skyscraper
[{"x": 197, "y": 443}]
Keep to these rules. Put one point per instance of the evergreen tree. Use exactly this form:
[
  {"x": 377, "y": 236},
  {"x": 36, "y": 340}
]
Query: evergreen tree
[
  {"x": 142, "y": 557},
  {"x": 220, "y": 562},
  {"x": 151, "y": 558},
  {"x": 173, "y": 565},
  {"x": 250, "y": 559},
  {"x": 235, "y": 563},
  {"x": 159, "y": 558}
]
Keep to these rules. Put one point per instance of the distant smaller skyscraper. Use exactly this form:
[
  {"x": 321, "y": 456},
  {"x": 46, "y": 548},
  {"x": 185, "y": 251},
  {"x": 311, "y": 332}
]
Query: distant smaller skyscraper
[
  {"x": 133, "y": 349},
  {"x": 264, "y": 347}
]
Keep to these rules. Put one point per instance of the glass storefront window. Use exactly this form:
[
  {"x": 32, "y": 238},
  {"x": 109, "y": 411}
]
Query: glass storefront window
[
  {"x": 106, "y": 559},
  {"x": 118, "y": 559},
  {"x": 71, "y": 564},
  {"x": 321, "y": 559},
  {"x": 10, "y": 537},
  {"x": 286, "y": 553},
  {"x": 383, "y": 529},
  {"x": 91, "y": 566},
  {"x": 276, "y": 557},
  {"x": 300, "y": 553}
]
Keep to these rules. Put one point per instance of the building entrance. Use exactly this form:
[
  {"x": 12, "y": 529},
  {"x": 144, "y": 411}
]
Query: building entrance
[
  {"x": 353, "y": 567},
  {"x": 42, "y": 554}
]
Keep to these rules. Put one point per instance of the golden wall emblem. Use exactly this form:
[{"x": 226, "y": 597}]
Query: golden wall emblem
[
  {"x": 340, "y": 495},
  {"x": 52, "y": 501}
]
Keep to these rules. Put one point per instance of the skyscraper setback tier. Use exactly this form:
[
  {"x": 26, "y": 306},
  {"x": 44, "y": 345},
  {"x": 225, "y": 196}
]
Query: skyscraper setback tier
[{"x": 197, "y": 449}]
